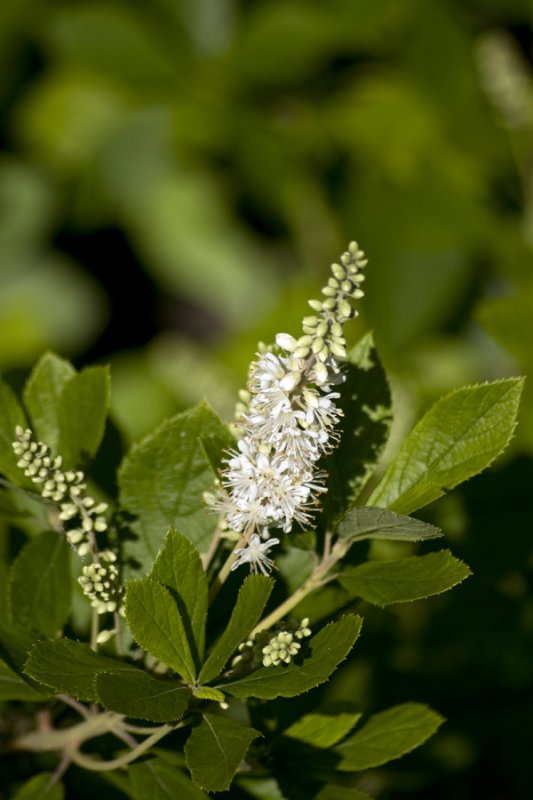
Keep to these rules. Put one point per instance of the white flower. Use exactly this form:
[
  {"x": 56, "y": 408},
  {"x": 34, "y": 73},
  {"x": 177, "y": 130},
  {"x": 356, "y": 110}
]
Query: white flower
[{"x": 256, "y": 554}]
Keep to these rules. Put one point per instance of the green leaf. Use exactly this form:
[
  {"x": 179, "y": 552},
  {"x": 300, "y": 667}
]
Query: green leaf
[
  {"x": 41, "y": 787},
  {"x": 42, "y": 394},
  {"x": 162, "y": 481},
  {"x": 215, "y": 749},
  {"x": 13, "y": 687},
  {"x": 70, "y": 667},
  {"x": 156, "y": 780},
  {"x": 378, "y": 523},
  {"x": 40, "y": 584},
  {"x": 11, "y": 415},
  {"x": 209, "y": 693},
  {"x": 143, "y": 696},
  {"x": 179, "y": 567},
  {"x": 251, "y": 600},
  {"x": 388, "y": 735},
  {"x": 82, "y": 414},
  {"x": 459, "y": 436},
  {"x": 320, "y": 730},
  {"x": 327, "y": 649},
  {"x": 157, "y": 625},
  {"x": 405, "y": 579},
  {"x": 366, "y": 403},
  {"x": 15, "y": 644}
]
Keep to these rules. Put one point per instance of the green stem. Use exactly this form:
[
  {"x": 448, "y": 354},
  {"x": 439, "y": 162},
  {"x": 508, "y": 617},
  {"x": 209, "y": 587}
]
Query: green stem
[
  {"x": 87, "y": 762},
  {"x": 95, "y": 626},
  {"x": 44, "y": 740},
  {"x": 317, "y": 578},
  {"x": 226, "y": 569}
]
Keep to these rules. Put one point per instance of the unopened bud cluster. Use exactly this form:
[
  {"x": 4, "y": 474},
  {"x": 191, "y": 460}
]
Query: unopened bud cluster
[
  {"x": 272, "y": 649},
  {"x": 288, "y": 416},
  {"x": 81, "y": 516}
]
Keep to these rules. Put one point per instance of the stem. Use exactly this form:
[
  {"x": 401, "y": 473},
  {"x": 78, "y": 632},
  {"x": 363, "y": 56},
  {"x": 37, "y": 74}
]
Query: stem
[
  {"x": 208, "y": 557},
  {"x": 95, "y": 626},
  {"x": 87, "y": 762},
  {"x": 226, "y": 569},
  {"x": 118, "y": 636},
  {"x": 314, "y": 581},
  {"x": 44, "y": 740},
  {"x": 79, "y": 707}
]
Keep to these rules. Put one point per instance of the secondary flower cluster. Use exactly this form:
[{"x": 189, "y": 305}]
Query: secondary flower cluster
[
  {"x": 81, "y": 516},
  {"x": 271, "y": 479},
  {"x": 272, "y": 649}
]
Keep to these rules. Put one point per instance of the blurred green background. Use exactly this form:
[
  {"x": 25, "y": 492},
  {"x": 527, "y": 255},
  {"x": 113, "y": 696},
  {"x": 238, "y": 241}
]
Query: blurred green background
[{"x": 175, "y": 177}]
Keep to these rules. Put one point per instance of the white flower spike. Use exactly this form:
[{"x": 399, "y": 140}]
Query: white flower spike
[{"x": 256, "y": 555}]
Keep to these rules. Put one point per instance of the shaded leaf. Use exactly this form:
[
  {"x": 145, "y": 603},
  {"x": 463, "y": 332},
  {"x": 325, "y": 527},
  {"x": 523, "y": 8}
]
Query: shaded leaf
[
  {"x": 320, "y": 730},
  {"x": 70, "y": 667},
  {"x": 178, "y": 566},
  {"x": 366, "y": 403},
  {"x": 378, "y": 523},
  {"x": 332, "y": 792},
  {"x": 327, "y": 649},
  {"x": 40, "y": 584},
  {"x": 162, "y": 480},
  {"x": 41, "y": 787},
  {"x": 405, "y": 579},
  {"x": 141, "y": 695},
  {"x": 157, "y": 625},
  {"x": 13, "y": 687},
  {"x": 215, "y": 749},
  {"x": 458, "y": 437},
  {"x": 82, "y": 414},
  {"x": 388, "y": 735},
  {"x": 251, "y": 600},
  {"x": 11, "y": 415},
  {"x": 41, "y": 396},
  {"x": 157, "y": 780},
  {"x": 15, "y": 644}
]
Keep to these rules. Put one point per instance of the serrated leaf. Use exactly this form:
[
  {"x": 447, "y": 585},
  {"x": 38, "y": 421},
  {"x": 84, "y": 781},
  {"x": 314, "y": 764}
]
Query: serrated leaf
[
  {"x": 13, "y": 687},
  {"x": 378, "y": 523},
  {"x": 388, "y": 735},
  {"x": 251, "y": 600},
  {"x": 41, "y": 787},
  {"x": 179, "y": 567},
  {"x": 405, "y": 579},
  {"x": 215, "y": 749},
  {"x": 40, "y": 584},
  {"x": 162, "y": 480},
  {"x": 209, "y": 693},
  {"x": 458, "y": 437},
  {"x": 157, "y": 780},
  {"x": 319, "y": 730},
  {"x": 327, "y": 649},
  {"x": 11, "y": 415},
  {"x": 15, "y": 644},
  {"x": 366, "y": 403},
  {"x": 141, "y": 695},
  {"x": 82, "y": 414},
  {"x": 157, "y": 625},
  {"x": 41, "y": 396},
  {"x": 70, "y": 667}
]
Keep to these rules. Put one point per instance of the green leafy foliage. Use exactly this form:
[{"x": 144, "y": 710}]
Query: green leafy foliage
[
  {"x": 137, "y": 694},
  {"x": 157, "y": 625},
  {"x": 42, "y": 394},
  {"x": 70, "y": 667},
  {"x": 327, "y": 649},
  {"x": 378, "y": 523},
  {"x": 41, "y": 787},
  {"x": 162, "y": 481},
  {"x": 15, "y": 644},
  {"x": 40, "y": 584},
  {"x": 82, "y": 412},
  {"x": 179, "y": 568},
  {"x": 404, "y": 579},
  {"x": 251, "y": 600},
  {"x": 11, "y": 415},
  {"x": 320, "y": 730},
  {"x": 215, "y": 749},
  {"x": 388, "y": 735},
  {"x": 460, "y": 436},
  {"x": 158, "y": 780},
  {"x": 366, "y": 404},
  {"x": 13, "y": 687}
]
